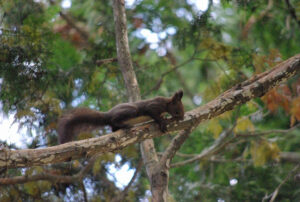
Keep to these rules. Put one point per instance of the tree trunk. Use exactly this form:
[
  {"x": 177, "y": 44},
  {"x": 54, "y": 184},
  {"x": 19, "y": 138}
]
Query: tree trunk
[{"x": 124, "y": 59}]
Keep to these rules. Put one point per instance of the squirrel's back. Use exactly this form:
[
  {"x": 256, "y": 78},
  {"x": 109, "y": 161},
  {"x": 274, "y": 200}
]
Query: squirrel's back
[{"x": 121, "y": 116}]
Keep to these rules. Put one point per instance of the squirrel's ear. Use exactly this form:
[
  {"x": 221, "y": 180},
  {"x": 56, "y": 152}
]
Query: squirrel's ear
[{"x": 177, "y": 96}]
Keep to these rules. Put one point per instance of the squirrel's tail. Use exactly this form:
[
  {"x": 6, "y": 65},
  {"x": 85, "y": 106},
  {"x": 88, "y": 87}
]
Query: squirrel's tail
[{"x": 79, "y": 120}]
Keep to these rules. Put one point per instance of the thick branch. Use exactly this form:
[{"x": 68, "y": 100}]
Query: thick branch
[{"x": 254, "y": 87}]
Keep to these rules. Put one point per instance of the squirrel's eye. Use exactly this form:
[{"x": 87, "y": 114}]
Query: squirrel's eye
[{"x": 176, "y": 113}]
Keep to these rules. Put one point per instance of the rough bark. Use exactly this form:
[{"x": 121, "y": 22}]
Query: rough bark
[
  {"x": 123, "y": 52},
  {"x": 254, "y": 87},
  {"x": 124, "y": 59}
]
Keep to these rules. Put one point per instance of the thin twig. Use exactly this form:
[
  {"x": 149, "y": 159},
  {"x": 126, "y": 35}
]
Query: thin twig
[
  {"x": 158, "y": 83},
  {"x": 124, "y": 193},
  {"x": 221, "y": 143},
  {"x": 274, "y": 194},
  {"x": 267, "y": 132},
  {"x": 70, "y": 22},
  {"x": 106, "y": 61},
  {"x": 84, "y": 192},
  {"x": 254, "y": 18},
  {"x": 218, "y": 145},
  {"x": 292, "y": 11}
]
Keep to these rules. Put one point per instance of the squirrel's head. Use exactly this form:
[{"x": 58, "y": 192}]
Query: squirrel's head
[{"x": 175, "y": 106}]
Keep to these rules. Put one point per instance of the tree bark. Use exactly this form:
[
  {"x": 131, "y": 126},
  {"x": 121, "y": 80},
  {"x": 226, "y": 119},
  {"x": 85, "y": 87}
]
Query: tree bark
[
  {"x": 254, "y": 87},
  {"x": 124, "y": 59},
  {"x": 123, "y": 51}
]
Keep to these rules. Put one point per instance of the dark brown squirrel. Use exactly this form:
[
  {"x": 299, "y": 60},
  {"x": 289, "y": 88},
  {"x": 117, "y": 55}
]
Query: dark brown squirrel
[{"x": 118, "y": 117}]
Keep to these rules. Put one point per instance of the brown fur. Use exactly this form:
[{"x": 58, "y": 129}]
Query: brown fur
[{"x": 70, "y": 124}]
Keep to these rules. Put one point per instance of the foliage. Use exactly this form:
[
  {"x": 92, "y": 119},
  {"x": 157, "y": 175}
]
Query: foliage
[{"x": 50, "y": 63}]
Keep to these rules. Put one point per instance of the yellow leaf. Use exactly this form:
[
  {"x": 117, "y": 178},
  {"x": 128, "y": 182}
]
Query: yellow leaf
[
  {"x": 215, "y": 128},
  {"x": 130, "y": 151},
  {"x": 263, "y": 151},
  {"x": 31, "y": 188},
  {"x": 76, "y": 164},
  {"x": 274, "y": 151},
  {"x": 227, "y": 115},
  {"x": 109, "y": 157},
  {"x": 45, "y": 185},
  {"x": 97, "y": 166},
  {"x": 257, "y": 153},
  {"x": 243, "y": 124},
  {"x": 251, "y": 106}
]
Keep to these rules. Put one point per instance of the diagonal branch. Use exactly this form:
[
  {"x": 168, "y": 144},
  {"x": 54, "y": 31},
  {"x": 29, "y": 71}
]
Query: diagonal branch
[
  {"x": 158, "y": 82},
  {"x": 72, "y": 24},
  {"x": 214, "y": 148},
  {"x": 253, "y": 19},
  {"x": 220, "y": 143},
  {"x": 254, "y": 87},
  {"x": 276, "y": 191},
  {"x": 292, "y": 11},
  {"x": 173, "y": 147}
]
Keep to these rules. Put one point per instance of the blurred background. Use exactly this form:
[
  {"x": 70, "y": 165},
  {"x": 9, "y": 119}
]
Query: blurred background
[{"x": 57, "y": 55}]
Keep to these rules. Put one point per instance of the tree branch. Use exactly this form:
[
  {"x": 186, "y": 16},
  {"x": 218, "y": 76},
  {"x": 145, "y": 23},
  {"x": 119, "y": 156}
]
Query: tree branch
[
  {"x": 124, "y": 59},
  {"x": 253, "y": 19},
  {"x": 267, "y": 132},
  {"x": 158, "y": 82},
  {"x": 254, "y": 87},
  {"x": 173, "y": 147},
  {"x": 218, "y": 145},
  {"x": 105, "y": 61},
  {"x": 51, "y": 177},
  {"x": 292, "y": 12},
  {"x": 293, "y": 157},
  {"x": 123, "y": 51},
  {"x": 124, "y": 193},
  {"x": 70, "y": 22},
  {"x": 276, "y": 191}
]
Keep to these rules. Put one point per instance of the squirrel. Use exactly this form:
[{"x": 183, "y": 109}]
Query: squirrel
[{"x": 70, "y": 124}]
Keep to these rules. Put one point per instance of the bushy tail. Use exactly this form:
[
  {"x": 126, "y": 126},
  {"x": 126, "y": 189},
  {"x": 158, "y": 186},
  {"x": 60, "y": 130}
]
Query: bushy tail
[{"x": 77, "y": 121}]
